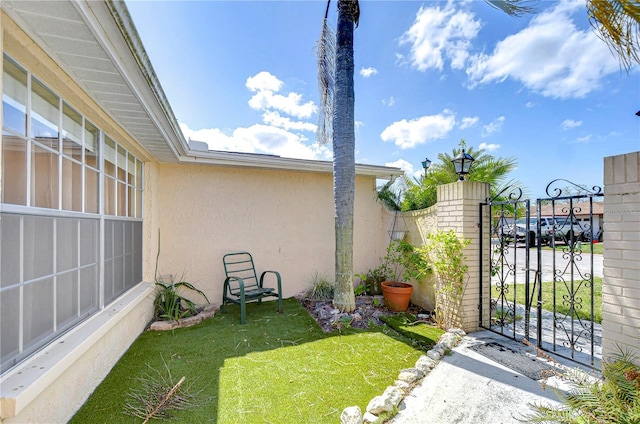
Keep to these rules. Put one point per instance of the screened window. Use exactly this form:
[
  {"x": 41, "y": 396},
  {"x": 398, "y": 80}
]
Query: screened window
[
  {"x": 61, "y": 174},
  {"x": 14, "y": 131}
]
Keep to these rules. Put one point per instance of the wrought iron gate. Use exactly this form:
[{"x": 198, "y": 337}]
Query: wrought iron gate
[{"x": 544, "y": 295}]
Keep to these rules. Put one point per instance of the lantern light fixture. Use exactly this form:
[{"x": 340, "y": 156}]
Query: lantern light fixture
[
  {"x": 426, "y": 163},
  {"x": 462, "y": 164}
]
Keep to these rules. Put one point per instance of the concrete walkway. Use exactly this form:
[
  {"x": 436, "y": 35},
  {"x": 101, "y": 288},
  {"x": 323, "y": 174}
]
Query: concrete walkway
[{"x": 479, "y": 383}]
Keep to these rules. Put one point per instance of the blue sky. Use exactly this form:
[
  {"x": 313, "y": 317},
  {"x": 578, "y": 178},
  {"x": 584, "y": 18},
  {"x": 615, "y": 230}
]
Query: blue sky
[{"x": 241, "y": 76}]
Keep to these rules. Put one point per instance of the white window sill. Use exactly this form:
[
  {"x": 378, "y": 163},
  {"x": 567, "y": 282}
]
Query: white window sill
[{"x": 25, "y": 382}]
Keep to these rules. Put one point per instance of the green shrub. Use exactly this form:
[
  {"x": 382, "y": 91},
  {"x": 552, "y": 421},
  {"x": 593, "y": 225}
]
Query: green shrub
[{"x": 321, "y": 289}]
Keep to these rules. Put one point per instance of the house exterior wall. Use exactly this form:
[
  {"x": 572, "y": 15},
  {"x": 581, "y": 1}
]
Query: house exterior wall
[
  {"x": 621, "y": 282},
  {"x": 284, "y": 219}
]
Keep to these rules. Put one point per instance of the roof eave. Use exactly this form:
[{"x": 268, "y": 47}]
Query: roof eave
[{"x": 236, "y": 159}]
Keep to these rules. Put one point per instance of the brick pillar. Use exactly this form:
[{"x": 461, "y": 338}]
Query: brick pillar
[
  {"x": 458, "y": 210},
  {"x": 621, "y": 267}
]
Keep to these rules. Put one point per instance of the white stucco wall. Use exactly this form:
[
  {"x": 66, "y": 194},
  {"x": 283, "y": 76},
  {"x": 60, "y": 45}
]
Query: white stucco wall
[{"x": 284, "y": 219}]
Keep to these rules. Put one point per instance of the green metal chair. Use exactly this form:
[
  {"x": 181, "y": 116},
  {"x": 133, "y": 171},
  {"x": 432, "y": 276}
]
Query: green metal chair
[{"x": 242, "y": 285}]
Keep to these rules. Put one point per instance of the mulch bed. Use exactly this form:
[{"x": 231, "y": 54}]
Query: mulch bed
[{"x": 369, "y": 310}]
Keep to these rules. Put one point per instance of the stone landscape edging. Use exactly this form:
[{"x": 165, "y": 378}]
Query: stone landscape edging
[
  {"x": 408, "y": 378},
  {"x": 207, "y": 312}
]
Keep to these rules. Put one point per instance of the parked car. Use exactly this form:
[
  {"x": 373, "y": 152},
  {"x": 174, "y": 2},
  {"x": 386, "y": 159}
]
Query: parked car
[
  {"x": 567, "y": 230},
  {"x": 559, "y": 229},
  {"x": 547, "y": 229}
]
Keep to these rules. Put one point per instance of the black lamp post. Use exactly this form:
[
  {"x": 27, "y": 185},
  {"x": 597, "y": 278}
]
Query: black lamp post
[
  {"x": 462, "y": 164},
  {"x": 426, "y": 163}
]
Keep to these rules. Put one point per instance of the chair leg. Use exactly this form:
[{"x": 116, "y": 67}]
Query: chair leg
[
  {"x": 280, "y": 309},
  {"x": 243, "y": 311}
]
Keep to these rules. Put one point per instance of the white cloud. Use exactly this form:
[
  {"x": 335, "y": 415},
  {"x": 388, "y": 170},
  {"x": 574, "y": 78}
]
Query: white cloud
[
  {"x": 274, "y": 118},
  {"x": 258, "y": 138},
  {"x": 266, "y": 85},
  {"x": 402, "y": 164},
  {"x": 277, "y": 134},
  {"x": 488, "y": 147},
  {"x": 389, "y": 102},
  {"x": 264, "y": 81},
  {"x": 367, "y": 72},
  {"x": 493, "y": 127},
  {"x": 584, "y": 139},
  {"x": 551, "y": 56},
  {"x": 529, "y": 105},
  {"x": 440, "y": 34},
  {"x": 570, "y": 123},
  {"x": 406, "y": 134},
  {"x": 468, "y": 122}
]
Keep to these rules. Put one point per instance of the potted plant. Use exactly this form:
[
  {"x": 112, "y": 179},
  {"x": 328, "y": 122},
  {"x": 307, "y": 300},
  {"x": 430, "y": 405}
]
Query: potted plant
[{"x": 403, "y": 262}]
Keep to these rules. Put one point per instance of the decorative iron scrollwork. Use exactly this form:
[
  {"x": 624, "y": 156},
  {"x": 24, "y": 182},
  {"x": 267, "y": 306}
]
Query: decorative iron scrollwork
[
  {"x": 581, "y": 192},
  {"x": 511, "y": 193}
]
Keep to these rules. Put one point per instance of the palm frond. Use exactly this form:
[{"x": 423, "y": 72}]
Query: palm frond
[
  {"x": 617, "y": 23},
  {"x": 326, "y": 82},
  {"x": 513, "y": 7}
]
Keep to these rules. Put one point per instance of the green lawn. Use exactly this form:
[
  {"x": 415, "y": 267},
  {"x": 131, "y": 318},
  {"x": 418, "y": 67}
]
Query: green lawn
[
  {"x": 585, "y": 247},
  {"x": 275, "y": 369},
  {"x": 583, "y": 292}
]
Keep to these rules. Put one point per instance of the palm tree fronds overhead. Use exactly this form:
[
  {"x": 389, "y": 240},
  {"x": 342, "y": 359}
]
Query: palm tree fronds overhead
[
  {"x": 512, "y": 7},
  {"x": 326, "y": 82},
  {"x": 617, "y": 23}
]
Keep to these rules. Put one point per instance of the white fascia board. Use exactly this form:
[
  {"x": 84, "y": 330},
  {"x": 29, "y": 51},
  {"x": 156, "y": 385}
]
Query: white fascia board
[{"x": 251, "y": 160}]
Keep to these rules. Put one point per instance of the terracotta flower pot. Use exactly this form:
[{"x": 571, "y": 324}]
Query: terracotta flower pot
[{"x": 396, "y": 295}]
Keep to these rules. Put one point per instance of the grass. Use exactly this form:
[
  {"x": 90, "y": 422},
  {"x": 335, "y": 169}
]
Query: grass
[
  {"x": 561, "y": 290},
  {"x": 408, "y": 325},
  {"x": 585, "y": 247},
  {"x": 277, "y": 368}
]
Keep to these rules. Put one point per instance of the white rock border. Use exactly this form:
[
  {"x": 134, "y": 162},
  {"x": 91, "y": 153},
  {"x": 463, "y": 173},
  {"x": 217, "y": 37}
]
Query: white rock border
[
  {"x": 408, "y": 378},
  {"x": 207, "y": 312}
]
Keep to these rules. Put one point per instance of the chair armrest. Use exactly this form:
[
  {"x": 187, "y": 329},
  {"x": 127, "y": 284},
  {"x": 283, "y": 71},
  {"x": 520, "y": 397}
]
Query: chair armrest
[
  {"x": 227, "y": 288},
  {"x": 278, "y": 278}
]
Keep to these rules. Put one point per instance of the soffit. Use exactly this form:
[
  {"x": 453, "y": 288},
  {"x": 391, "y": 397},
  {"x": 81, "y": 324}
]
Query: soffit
[{"x": 85, "y": 39}]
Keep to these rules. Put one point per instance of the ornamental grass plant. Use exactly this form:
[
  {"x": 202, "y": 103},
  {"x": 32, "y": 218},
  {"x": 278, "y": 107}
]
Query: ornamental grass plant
[{"x": 276, "y": 368}]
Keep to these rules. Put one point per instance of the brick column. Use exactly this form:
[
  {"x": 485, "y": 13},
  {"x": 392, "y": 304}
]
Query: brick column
[
  {"x": 621, "y": 282},
  {"x": 458, "y": 210}
]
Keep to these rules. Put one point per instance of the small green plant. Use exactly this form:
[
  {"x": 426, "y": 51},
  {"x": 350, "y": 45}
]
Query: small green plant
[
  {"x": 321, "y": 288},
  {"x": 169, "y": 304},
  {"x": 446, "y": 252},
  {"x": 373, "y": 279},
  {"x": 360, "y": 289},
  {"x": 615, "y": 399}
]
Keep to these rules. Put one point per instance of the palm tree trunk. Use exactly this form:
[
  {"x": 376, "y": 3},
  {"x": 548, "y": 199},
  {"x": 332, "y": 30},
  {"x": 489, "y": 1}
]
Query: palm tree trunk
[{"x": 344, "y": 158}]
